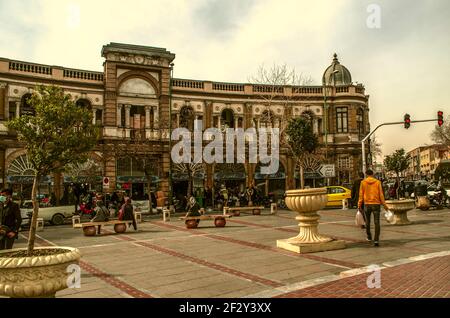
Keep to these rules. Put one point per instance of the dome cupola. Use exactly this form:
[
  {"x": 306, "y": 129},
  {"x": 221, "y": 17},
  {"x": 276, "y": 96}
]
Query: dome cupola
[{"x": 336, "y": 74}]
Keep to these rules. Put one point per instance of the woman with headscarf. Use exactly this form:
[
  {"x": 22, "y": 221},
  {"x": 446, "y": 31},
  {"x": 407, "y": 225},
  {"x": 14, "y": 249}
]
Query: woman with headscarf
[{"x": 128, "y": 214}]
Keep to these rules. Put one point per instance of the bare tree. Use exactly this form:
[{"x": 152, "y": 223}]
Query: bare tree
[
  {"x": 441, "y": 134},
  {"x": 191, "y": 170}
]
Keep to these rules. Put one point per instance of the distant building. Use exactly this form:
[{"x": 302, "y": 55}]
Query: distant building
[{"x": 425, "y": 160}]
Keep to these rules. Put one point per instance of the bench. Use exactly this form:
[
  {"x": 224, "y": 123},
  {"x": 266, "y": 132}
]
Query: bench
[
  {"x": 236, "y": 211},
  {"x": 89, "y": 227},
  {"x": 193, "y": 221}
]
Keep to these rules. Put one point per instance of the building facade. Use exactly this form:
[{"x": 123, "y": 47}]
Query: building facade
[
  {"x": 136, "y": 101},
  {"x": 425, "y": 160}
]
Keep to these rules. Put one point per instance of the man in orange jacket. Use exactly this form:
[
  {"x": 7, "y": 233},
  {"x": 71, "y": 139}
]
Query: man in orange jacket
[{"x": 371, "y": 193}]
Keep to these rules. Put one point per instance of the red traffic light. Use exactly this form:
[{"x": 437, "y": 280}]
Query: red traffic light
[
  {"x": 440, "y": 118},
  {"x": 407, "y": 120}
]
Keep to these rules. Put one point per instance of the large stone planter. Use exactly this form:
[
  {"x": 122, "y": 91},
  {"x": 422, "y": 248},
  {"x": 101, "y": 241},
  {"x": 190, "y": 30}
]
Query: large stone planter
[
  {"x": 400, "y": 209},
  {"x": 36, "y": 276},
  {"x": 306, "y": 203}
]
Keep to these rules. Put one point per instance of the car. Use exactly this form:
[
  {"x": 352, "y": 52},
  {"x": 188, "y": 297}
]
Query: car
[
  {"x": 336, "y": 194},
  {"x": 56, "y": 215}
]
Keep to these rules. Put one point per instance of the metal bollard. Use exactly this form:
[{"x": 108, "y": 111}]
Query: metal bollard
[
  {"x": 273, "y": 208},
  {"x": 40, "y": 224},
  {"x": 166, "y": 215},
  {"x": 345, "y": 204},
  {"x": 138, "y": 217}
]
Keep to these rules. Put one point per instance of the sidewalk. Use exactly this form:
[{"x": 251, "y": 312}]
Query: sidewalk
[{"x": 242, "y": 260}]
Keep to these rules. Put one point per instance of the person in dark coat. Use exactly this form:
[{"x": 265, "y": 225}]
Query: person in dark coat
[
  {"x": 10, "y": 220},
  {"x": 128, "y": 214}
]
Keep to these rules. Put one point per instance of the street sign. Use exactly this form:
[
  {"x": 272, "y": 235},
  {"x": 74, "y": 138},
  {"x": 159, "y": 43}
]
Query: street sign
[
  {"x": 105, "y": 183},
  {"x": 327, "y": 171}
]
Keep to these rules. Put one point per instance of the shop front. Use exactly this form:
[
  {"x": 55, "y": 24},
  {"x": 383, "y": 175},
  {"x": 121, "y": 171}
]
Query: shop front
[
  {"x": 274, "y": 183},
  {"x": 136, "y": 187}
]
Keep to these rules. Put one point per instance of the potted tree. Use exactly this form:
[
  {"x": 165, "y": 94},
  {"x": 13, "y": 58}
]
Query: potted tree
[
  {"x": 302, "y": 142},
  {"x": 397, "y": 163},
  {"x": 57, "y": 134}
]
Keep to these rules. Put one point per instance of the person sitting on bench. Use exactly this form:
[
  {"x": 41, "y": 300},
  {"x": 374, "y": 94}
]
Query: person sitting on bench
[
  {"x": 101, "y": 214},
  {"x": 193, "y": 208},
  {"x": 128, "y": 214}
]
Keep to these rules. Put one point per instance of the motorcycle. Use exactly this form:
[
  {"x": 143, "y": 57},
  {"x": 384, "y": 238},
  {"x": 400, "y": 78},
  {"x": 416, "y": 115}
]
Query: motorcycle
[{"x": 85, "y": 210}]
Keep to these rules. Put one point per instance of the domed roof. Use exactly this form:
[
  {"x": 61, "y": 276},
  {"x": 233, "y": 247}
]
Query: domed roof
[{"x": 336, "y": 74}]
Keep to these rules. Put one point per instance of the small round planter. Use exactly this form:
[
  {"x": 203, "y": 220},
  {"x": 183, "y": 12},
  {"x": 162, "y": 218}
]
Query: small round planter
[
  {"x": 36, "y": 276},
  {"x": 400, "y": 209}
]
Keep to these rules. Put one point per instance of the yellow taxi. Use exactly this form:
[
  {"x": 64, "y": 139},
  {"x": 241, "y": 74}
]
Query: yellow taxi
[{"x": 336, "y": 194}]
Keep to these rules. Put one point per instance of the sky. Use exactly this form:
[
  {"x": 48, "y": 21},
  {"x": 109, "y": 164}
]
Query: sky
[{"x": 401, "y": 55}]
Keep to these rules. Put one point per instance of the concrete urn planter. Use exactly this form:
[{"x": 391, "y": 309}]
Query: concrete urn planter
[
  {"x": 400, "y": 209},
  {"x": 306, "y": 203},
  {"x": 36, "y": 276}
]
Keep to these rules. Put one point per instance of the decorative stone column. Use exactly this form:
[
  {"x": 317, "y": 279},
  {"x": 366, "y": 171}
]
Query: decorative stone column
[
  {"x": 155, "y": 117},
  {"x": 236, "y": 122},
  {"x": 306, "y": 203},
  {"x": 93, "y": 115},
  {"x": 127, "y": 116},
  {"x": 119, "y": 115},
  {"x": 18, "y": 109},
  {"x": 147, "y": 117}
]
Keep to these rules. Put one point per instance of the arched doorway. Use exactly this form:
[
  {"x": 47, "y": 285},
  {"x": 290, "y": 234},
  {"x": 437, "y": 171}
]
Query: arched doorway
[
  {"x": 20, "y": 177},
  {"x": 271, "y": 184},
  {"x": 227, "y": 118}
]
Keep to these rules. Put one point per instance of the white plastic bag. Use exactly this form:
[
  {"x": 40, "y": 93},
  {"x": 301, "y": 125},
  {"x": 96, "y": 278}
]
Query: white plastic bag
[
  {"x": 389, "y": 216},
  {"x": 359, "y": 219}
]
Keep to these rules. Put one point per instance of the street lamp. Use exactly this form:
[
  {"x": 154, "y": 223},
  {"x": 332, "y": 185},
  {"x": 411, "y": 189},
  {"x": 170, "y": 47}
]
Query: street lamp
[
  {"x": 326, "y": 111},
  {"x": 326, "y": 115},
  {"x": 170, "y": 135}
]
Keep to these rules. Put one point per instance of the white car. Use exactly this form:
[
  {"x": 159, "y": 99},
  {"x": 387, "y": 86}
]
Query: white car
[{"x": 56, "y": 215}]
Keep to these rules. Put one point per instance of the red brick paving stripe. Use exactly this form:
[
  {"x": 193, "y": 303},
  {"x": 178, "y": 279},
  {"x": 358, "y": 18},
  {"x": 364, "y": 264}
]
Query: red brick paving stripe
[
  {"x": 427, "y": 278},
  {"x": 218, "y": 267},
  {"x": 119, "y": 284},
  {"x": 211, "y": 265},
  {"x": 122, "y": 286},
  {"x": 263, "y": 247}
]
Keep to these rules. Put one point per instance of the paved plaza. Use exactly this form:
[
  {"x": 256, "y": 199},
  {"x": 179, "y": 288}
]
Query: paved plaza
[{"x": 242, "y": 260}]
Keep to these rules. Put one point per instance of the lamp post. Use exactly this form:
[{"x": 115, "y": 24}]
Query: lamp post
[
  {"x": 326, "y": 115},
  {"x": 170, "y": 135}
]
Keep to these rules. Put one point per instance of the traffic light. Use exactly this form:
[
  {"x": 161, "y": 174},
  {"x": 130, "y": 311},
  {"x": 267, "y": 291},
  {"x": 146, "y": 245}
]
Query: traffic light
[
  {"x": 440, "y": 118},
  {"x": 407, "y": 121}
]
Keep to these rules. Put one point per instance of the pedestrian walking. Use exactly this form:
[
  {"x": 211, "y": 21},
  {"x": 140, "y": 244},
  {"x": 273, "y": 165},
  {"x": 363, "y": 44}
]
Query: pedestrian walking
[
  {"x": 10, "y": 220},
  {"x": 371, "y": 193}
]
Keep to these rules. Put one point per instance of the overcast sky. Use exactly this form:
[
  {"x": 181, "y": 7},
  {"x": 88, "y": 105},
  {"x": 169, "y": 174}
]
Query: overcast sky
[{"x": 404, "y": 64}]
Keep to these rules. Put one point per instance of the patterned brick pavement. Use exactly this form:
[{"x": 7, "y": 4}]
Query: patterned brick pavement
[{"x": 428, "y": 279}]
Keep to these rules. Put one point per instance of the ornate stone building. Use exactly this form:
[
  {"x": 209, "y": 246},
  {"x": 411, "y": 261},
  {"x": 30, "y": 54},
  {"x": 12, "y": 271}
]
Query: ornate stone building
[{"x": 136, "y": 102}]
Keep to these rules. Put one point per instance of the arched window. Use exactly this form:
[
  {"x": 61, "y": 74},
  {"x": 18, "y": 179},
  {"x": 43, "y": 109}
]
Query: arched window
[
  {"x": 227, "y": 118},
  {"x": 25, "y": 106},
  {"x": 187, "y": 118},
  {"x": 360, "y": 121},
  {"x": 267, "y": 119},
  {"x": 82, "y": 102},
  {"x": 309, "y": 116}
]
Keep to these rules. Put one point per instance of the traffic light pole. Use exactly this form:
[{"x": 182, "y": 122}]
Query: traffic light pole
[{"x": 371, "y": 133}]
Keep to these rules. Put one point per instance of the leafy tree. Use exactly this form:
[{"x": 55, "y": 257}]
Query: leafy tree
[
  {"x": 302, "y": 143},
  {"x": 397, "y": 162},
  {"x": 441, "y": 135},
  {"x": 59, "y": 133}
]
